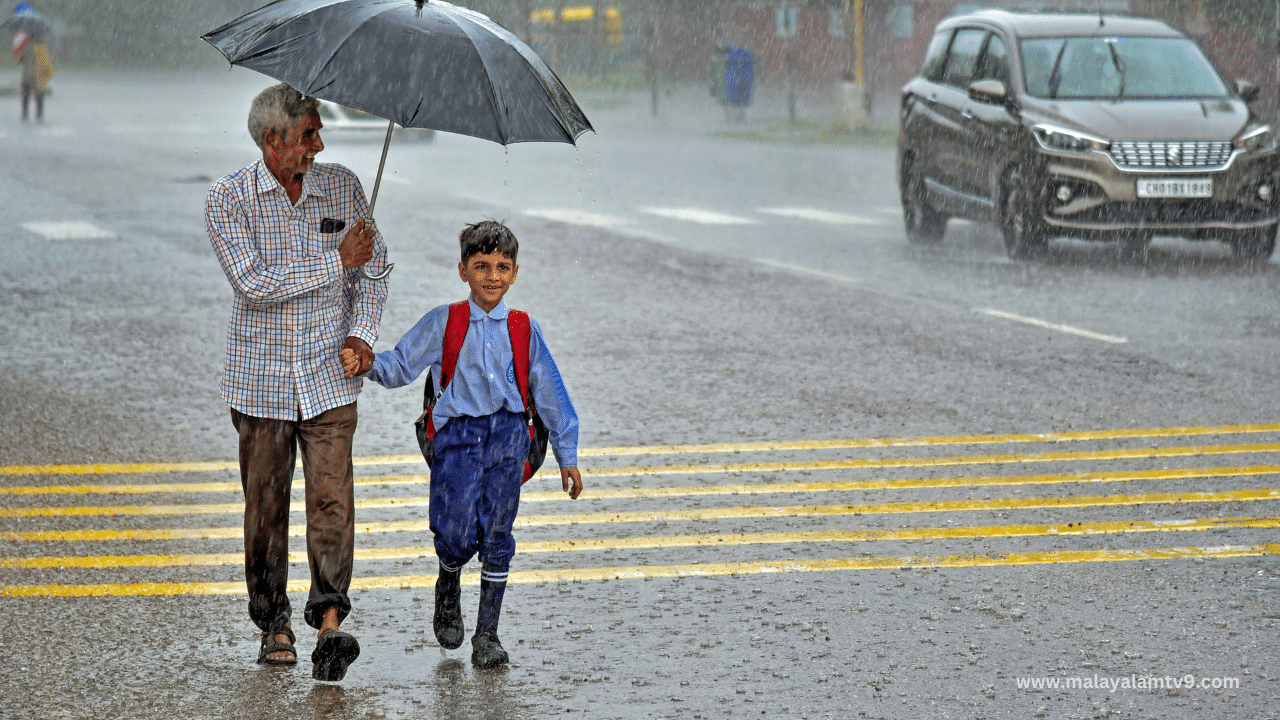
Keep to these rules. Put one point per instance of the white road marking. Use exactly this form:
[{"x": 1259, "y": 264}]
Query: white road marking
[
  {"x": 822, "y": 216},
  {"x": 1053, "y": 326},
  {"x": 705, "y": 217},
  {"x": 68, "y": 230},
  {"x": 579, "y": 217},
  {"x": 805, "y": 270}
]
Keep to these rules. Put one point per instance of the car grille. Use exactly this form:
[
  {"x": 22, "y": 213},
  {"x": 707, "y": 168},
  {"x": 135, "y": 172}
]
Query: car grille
[{"x": 1130, "y": 155}]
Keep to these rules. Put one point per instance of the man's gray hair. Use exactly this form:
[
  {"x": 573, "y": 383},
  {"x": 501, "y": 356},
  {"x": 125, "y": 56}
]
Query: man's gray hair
[{"x": 278, "y": 108}]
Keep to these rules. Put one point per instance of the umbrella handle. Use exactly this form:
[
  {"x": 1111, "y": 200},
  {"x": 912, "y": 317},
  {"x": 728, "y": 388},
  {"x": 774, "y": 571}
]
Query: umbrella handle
[
  {"x": 386, "y": 144},
  {"x": 379, "y": 276}
]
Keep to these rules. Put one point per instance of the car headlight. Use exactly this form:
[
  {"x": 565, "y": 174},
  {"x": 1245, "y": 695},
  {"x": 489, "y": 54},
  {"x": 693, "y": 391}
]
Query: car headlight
[
  {"x": 1258, "y": 139},
  {"x": 1052, "y": 137}
]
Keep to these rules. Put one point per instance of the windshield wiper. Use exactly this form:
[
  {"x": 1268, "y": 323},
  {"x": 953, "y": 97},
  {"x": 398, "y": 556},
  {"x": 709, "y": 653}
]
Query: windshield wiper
[
  {"x": 1055, "y": 75},
  {"x": 1115, "y": 60}
]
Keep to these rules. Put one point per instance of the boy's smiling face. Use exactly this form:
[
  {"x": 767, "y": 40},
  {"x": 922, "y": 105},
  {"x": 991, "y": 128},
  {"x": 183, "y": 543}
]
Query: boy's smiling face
[{"x": 490, "y": 275}]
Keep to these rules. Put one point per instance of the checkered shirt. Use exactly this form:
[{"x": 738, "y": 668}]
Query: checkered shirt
[{"x": 294, "y": 305}]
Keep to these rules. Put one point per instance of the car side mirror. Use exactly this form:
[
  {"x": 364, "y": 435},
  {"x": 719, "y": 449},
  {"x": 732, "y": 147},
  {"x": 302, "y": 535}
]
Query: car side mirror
[
  {"x": 991, "y": 92},
  {"x": 1247, "y": 91}
]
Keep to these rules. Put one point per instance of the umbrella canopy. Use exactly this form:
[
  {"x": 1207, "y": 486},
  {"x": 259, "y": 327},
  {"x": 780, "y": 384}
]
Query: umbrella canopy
[
  {"x": 26, "y": 20},
  {"x": 418, "y": 63}
]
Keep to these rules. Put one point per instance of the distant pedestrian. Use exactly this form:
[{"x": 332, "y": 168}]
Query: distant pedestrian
[
  {"x": 32, "y": 54},
  {"x": 482, "y": 437},
  {"x": 277, "y": 229}
]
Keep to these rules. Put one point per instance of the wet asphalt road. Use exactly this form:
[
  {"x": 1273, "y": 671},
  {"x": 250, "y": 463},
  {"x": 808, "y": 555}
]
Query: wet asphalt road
[{"x": 1000, "y": 509}]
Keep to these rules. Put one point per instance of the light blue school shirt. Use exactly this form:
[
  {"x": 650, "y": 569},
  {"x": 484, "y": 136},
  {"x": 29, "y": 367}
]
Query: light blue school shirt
[{"x": 484, "y": 379}]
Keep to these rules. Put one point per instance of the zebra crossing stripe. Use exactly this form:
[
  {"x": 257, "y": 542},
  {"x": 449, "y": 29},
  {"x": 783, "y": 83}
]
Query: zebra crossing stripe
[
  {"x": 790, "y": 565},
  {"x": 685, "y": 515},
  {"x": 1116, "y": 527}
]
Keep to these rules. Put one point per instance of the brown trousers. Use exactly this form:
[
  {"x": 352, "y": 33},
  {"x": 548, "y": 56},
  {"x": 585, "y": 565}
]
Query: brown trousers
[{"x": 268, "y": 455}]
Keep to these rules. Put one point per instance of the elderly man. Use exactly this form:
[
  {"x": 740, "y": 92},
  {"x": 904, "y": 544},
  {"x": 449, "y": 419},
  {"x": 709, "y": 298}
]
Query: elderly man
[{"x": 290, "y": 234}]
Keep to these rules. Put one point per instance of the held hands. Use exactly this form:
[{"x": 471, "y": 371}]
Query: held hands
[
  {"x": 356, "y": 357},
  {"x": 356, "y": 248},
  {"x": 571, "y": 473}
]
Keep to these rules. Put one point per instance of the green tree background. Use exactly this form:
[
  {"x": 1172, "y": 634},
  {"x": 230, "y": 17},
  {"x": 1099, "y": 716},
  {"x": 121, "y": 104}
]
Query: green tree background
[
  {"x": 130, "y": 33},
  {"x": 117, "y": 33}
]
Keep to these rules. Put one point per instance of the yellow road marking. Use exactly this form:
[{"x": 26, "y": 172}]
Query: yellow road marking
[
  {"x": 1077, "y": 436},
  {"x": 646, "y": 516},
  {"x": 894, "y": 508},
  {"x": 770, "y": 488},
  {"x": 1119, "y": 454},
  {"x": 779, "y": 467},
  {"x": 674, "y": 541},
  {"x": 118, "y": 468},
  {"x": 223, "y": 508},
  {"x": 119, "y": 561},
  {"x": 1119, "y": 434},
  {"x": 201, "y": 487},
  {"x": 667, "y": 571},
  {"x": 183, "y": 487},
  {"x": 206, "y": 509}
]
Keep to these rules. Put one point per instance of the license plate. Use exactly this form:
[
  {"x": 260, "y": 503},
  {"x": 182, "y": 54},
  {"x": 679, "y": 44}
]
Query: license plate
[{"x": 1171, "y": 188}]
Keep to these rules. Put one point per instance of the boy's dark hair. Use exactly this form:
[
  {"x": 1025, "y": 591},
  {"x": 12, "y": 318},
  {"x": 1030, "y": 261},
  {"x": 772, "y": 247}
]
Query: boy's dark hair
[{"x": 488, "y": 236}]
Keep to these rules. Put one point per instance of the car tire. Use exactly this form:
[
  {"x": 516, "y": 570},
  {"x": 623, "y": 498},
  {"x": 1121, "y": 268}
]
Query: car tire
[
  {"x": 924, "y": 225},
  {"x": 1253, "y": 245},
  {"x": 1025, "y": 235}
]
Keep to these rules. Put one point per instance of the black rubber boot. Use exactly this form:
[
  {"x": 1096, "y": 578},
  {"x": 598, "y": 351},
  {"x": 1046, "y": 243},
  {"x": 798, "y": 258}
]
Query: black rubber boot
[
  {"x": 448, "y": 617},
  {"x": 486, "y": 649},
  {"x": 490, "y": 606}
]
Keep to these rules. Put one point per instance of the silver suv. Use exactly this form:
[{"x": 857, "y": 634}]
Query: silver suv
[{"x": 1086, "y": 126}]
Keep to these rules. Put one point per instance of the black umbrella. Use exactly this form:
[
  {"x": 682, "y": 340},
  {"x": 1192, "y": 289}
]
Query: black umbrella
[
  {"x": 417, "y": 63},
  {"x": 26, "y": 20}
]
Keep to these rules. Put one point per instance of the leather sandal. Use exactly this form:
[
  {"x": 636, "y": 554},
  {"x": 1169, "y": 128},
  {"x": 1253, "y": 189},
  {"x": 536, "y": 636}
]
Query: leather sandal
[{"x": 271, "y": 645}]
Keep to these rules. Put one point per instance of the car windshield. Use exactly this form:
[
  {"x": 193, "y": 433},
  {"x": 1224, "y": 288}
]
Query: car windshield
[{"x": 1118, "y": 67}]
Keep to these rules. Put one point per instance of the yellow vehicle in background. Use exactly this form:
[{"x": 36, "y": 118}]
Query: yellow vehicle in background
[{"x": 577, "y": 20}]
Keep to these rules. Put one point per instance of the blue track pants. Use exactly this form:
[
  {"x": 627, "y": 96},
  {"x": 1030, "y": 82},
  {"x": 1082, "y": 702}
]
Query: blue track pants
[{"x": 475, "y": 490}]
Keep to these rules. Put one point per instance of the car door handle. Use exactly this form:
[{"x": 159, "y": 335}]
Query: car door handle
[{"x": 966, "y": 114}]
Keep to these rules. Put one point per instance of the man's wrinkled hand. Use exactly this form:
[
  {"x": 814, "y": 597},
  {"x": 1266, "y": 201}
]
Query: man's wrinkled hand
[
  {"x": 356, "y": 357},
  {"x": 357, "y": 246}
]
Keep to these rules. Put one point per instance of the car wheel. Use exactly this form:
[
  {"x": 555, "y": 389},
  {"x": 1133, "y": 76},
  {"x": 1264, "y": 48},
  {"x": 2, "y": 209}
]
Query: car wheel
[
  {"x": 923, "y": 223},
  {"x": 1024, "y": 232},
  {"x": 1254, "y": 244}
]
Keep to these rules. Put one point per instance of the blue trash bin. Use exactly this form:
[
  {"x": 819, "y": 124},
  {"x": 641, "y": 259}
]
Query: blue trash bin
[{"x": 739, "y": 76}]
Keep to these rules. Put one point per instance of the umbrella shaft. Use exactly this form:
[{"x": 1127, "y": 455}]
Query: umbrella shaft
[{"x": 386, "y": 145}]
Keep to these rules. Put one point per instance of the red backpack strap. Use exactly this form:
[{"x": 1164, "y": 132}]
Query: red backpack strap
[
  {"x": 518, "y": 326},
  {"x": 455, "y": 332}
]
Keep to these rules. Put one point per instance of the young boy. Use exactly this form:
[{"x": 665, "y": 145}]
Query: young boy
[{"x": 482, "y": 438}]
